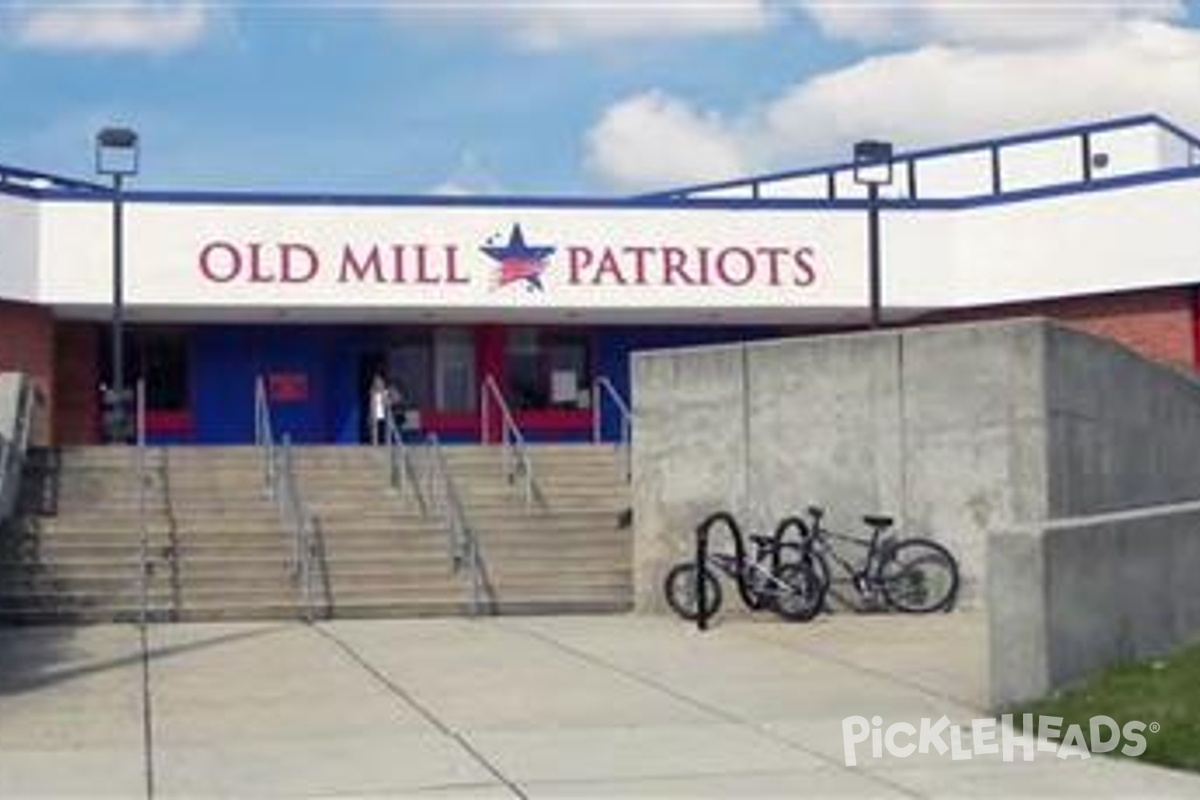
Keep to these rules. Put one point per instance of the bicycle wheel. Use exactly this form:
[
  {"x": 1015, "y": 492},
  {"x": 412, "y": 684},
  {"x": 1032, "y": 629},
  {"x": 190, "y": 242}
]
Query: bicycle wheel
[
  {"x": 681, "y": 587},
  {"x": 799, "y": 595},
  {"x": 817, "y": 564},
  {"x": 918, "y": 576}
]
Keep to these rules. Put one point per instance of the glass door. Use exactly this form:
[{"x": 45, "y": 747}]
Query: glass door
[
  {"x": 455, "y": 386},
  {"x": 434, "y": 372},
  {"x": 410, "y": 370}
]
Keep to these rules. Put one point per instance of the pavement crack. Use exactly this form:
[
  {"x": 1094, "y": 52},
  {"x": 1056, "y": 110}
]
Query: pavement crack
[
  {"x": 408, "y": 699},
  {"x": 147, "y": 712}
]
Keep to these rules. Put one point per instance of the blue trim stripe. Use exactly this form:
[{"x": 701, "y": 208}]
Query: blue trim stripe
[
  {"x": 54, "y": 181},
  {"x": 65, "y": 189},
  {"x": 1191, "y": 139},
  {"x": 950, "y": 150},
  {"x": 698, "y": 203},
  {"x": 21, "y": 191}
]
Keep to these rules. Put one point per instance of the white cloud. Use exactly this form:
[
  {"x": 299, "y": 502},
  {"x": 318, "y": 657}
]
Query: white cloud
[
  {"x": 934, "y": 95},
  {"x": 121, "y": 26},
  {"x": 470, "y": 176},
  {"x": 980, "y": 22},
  {"x": 654, "y": 140},
  {"x": 942, "y": 94},
  {"x": 546, "y": 26}
]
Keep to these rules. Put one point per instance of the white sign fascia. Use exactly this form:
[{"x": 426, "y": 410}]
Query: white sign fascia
[{"x": 474, "y": 257}]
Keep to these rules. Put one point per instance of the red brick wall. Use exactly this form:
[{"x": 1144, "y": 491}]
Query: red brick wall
[
  {"x": 1158, "y": 324},
  {"x": 27, "y": 345},
  {"x": 77, "y": 374}
]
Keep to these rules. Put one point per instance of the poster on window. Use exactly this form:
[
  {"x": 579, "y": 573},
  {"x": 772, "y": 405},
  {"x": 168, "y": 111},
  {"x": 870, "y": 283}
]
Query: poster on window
[
  {"x": 564, "y": 387},
  {"x": 287, "y": 387}
]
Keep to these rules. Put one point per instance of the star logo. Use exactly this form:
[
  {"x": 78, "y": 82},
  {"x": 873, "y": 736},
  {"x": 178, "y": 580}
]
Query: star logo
[{"x": 518, "y": 261}]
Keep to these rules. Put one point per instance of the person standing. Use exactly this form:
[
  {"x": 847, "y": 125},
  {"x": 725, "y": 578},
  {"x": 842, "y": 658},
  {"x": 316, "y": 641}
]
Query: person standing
[{"x": 378, "y": 403}]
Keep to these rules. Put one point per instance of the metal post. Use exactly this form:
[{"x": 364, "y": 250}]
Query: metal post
[
  {"x": 873, "y": 167},
  {"x": 484, "y": 436},
  {"x": 596, "y": 394},
  {"x": 702, "y": 577},
  {"x": 143, "y": 533},
  {"x": 117, "y": 155},
  {"x": 873, "y": 252},
  {"x": 118, "y": 433}
]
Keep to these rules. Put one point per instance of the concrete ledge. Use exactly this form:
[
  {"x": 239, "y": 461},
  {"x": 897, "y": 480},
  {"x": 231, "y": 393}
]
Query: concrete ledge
[
  {"x": 12, "y": 385},
  {"x": 10, "y": 397},
  {"x": 1072, "y": 596}
]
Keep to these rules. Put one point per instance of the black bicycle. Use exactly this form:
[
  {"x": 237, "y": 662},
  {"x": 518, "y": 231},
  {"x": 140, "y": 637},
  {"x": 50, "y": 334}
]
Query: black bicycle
[
  {"x": 766, "y": 582},
  {"x": 913, "y": 575}
]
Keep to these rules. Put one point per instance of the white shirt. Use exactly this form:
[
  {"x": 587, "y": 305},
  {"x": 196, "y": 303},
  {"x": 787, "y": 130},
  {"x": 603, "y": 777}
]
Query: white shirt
[{"x": 378, "y": 404}]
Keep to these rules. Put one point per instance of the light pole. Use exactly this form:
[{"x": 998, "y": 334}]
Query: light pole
[
  {"x": 117, "y": 156},
  {"x": 873, "y": 168}
]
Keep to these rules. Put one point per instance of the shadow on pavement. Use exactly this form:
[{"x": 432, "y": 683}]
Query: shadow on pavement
[{"x": 35, "y": 657}]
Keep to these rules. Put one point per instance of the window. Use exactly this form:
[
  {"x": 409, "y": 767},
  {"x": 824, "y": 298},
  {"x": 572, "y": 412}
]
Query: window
[
  {"x": 454, "y": 365},
  {"x": 160, "y": 357},
  {"x": 547, "y": 369},
  {"x": 410, "y": 367},
  {"x": 435, "y": 370}
]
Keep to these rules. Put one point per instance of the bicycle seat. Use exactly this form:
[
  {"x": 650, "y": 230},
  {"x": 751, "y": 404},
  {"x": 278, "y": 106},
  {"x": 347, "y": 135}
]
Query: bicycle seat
[
  {"x": 877, "y": 521},
  {"x": 816, "y": 512},
  {"x": 762, "y": 542}
]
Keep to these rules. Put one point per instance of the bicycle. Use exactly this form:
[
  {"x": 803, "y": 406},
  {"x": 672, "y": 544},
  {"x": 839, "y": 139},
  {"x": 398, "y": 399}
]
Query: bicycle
[
  {"x": 912, "y": 575},
  {"x": 791, "y": 590}
]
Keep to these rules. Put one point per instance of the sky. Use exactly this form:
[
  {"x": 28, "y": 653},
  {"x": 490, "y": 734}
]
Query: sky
[{"x": 596, "y": 98}]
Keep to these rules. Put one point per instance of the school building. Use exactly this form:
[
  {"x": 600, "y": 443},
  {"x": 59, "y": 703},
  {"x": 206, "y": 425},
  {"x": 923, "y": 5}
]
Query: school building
[{"x": 1096, "y": 224}]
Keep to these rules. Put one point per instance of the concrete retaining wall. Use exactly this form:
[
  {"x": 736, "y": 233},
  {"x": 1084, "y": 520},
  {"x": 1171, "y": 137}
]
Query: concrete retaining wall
[
  {"x": 958, "y": 431},
  {"x": 955, "y": 430},
  {"x": 1073, "y": 596},
  {"x": 10, "y": 398},
  {"x": 1124, "y": 431},
  {"x": 944, "y": 428},
  {"x": 11, "y": 386}
]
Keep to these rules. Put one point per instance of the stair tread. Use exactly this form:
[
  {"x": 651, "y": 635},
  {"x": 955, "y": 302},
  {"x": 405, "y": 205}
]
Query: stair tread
[{"x": 382, "y": 556}]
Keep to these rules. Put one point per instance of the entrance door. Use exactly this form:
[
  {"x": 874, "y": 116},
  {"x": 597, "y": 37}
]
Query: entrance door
[
  {"x": 455, "y": 385},
  {"x": 409, "y": 366}
]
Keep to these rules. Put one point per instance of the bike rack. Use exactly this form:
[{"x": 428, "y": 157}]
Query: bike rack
[
  {"x": 739, "y": 549},
  {"x": 781, "y": 529}
]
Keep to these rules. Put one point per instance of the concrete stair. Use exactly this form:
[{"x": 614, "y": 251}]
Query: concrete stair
[
  {"x": 217, "y": 549},
  {"x": 565, "y": 553},
  {"x": 214, "y": 541}
]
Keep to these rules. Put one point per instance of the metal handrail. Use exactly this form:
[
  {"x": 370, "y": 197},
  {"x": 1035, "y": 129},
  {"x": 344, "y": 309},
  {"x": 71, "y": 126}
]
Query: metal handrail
[
  {"x": 264, "y": 436},
  {"x": 30, "y": 397},
  {"x": 515, "y": 452},
  {"x": 143, "y": 529},
  {"x": 8, "y": 479},
  {"x": 464, "y": 551},
  {"x": 298, "y": 524},
  {"x": 12, "y": 450},
  {"x": 600, "y": 388},
  {"x": 403, "y": 473}
]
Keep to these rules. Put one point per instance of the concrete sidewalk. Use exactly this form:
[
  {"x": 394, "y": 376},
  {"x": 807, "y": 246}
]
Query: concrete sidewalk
[{"x": 537, "y": 707}]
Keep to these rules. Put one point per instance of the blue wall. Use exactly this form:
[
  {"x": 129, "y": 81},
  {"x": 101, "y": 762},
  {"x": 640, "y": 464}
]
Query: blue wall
[{"x": 226, "y": 359}]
